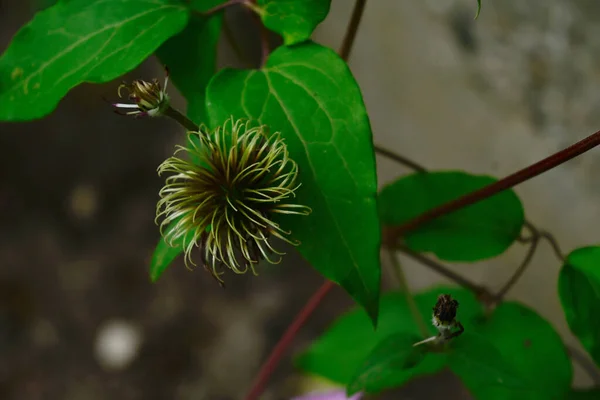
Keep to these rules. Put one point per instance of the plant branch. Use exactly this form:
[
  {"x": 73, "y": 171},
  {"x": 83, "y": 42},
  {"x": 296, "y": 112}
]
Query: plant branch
[
  {"x": 480, "y": 291},
  {"x": 346, "y": 48},
  {"x": 181, "y": 119},
  {"x": 391, "y": 234},
  {"x": 403, "y": 284},
  {"x": 280, "y": 348},
  {"x": 554, "y": 244},
  {"x": 221, "y": 7},
  {"x": 546, "y": 236},
  {"x": 535, "y": 239},
  {"x": 399, "y": 159}
]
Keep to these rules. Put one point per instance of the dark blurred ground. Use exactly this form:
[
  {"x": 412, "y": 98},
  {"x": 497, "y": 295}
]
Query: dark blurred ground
[{"x": 77, "y": 197}]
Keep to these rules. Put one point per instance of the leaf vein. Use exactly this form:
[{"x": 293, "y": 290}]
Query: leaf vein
[{"x": 304, "y": 144}]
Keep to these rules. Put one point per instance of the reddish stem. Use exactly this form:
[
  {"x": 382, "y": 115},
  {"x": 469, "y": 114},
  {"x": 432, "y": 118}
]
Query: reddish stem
[
  {"x": 391, "y": 234},
  {"x": 221, "y": 7},
  {"x": 279, "y": 350},
  {"x": 357, "y": 13}
]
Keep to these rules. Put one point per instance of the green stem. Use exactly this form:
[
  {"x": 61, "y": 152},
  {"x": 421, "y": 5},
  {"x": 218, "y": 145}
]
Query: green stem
[
  {"x": 181, "y": 119},
  {"x": 403, "y": 284}
]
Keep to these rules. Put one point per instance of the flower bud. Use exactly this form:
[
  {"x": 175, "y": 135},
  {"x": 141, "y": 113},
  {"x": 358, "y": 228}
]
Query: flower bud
[{"x": 149, "y": 99}]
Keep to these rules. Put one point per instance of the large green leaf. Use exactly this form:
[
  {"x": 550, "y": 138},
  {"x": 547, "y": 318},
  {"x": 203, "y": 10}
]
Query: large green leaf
[
  {"x": 531, "y": 347},
  {"x": 579, "y": 291},
  {"x": 476, "y": 360},
  {"x": 80, "y": 41},
  {"x": 342, "y": 349},
  {"x": 393, "y": 362},
  {"x": 295, "y": 20},
  {"x": 482, "y": 230},
  {"x": 307, "y": 93},
  {"x": 191, "y": 57}
]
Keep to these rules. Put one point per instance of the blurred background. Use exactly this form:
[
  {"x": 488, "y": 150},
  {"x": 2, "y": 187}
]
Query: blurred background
[{"x": 79, "y": 318}]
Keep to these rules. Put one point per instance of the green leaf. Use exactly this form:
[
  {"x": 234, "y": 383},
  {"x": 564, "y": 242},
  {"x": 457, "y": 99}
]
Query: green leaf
[
  {"x": 579, "y": 291},
  {"x": 164, "y": 254},
  {"x": 475, "y": 359},
  {"x": 531, "y": 347},
  {"x": 393, "y": 362},
  {"x": 583, "y": 394},
  {"x": 480, "y": 231},
  {"x": 80, "y": 41},
  {"x": 478, "y": 9},
  {"x": 307, "y": 93},
  {"x": 191, "y": 57},
  {"x": 295, "y": 20},
  {"x": 342, "y": 349}
]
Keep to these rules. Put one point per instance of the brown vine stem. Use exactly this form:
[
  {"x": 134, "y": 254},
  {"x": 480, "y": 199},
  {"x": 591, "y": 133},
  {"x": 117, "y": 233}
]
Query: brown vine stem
[
  {"x": 549, "y": 238},
  {"x": 392, "y": 234},
  {"x": 534, "y": 240},
  {"x": 348, "y": 42},
  {"x": 280, "y": 348},
  {"x": 284, "y": 342},
  {"x": 265, "y": 48},
  {"x": 399, "y": 159},
  {"x": 233, "y": 44},
  {"x": 480, "y": 291},
  {"x": 221, "y": 7}
]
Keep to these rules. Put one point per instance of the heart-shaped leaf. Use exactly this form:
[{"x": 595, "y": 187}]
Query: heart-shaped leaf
[
  {"x": 295, "y": 20},
  {"x": 307, "y": 93},
  {"x": 479, "y": 363},
  {"x": 191, "y": 56},
  {"x": 579, "y": 291},
  {"x": 532, "y": 348},
  {"x": 482, "y": 230},
  {"x": 393, "y": 362},
  {"x": 342, "y": 349}
]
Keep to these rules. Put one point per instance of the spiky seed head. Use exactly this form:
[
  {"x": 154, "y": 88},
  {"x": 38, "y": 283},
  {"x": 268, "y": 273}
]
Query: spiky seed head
[
  {"x": 222, "y": 198},
  {"x": 149, "y": 98}
]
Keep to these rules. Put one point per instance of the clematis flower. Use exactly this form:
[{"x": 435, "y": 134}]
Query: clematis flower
[
  {"x": 149, "y": 98},
  {"x": 223, "y": 198}
]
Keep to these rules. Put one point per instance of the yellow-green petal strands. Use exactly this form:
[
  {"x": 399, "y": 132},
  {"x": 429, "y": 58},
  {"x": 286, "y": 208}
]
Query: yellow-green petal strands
[{"x": 241, "y": 175}]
